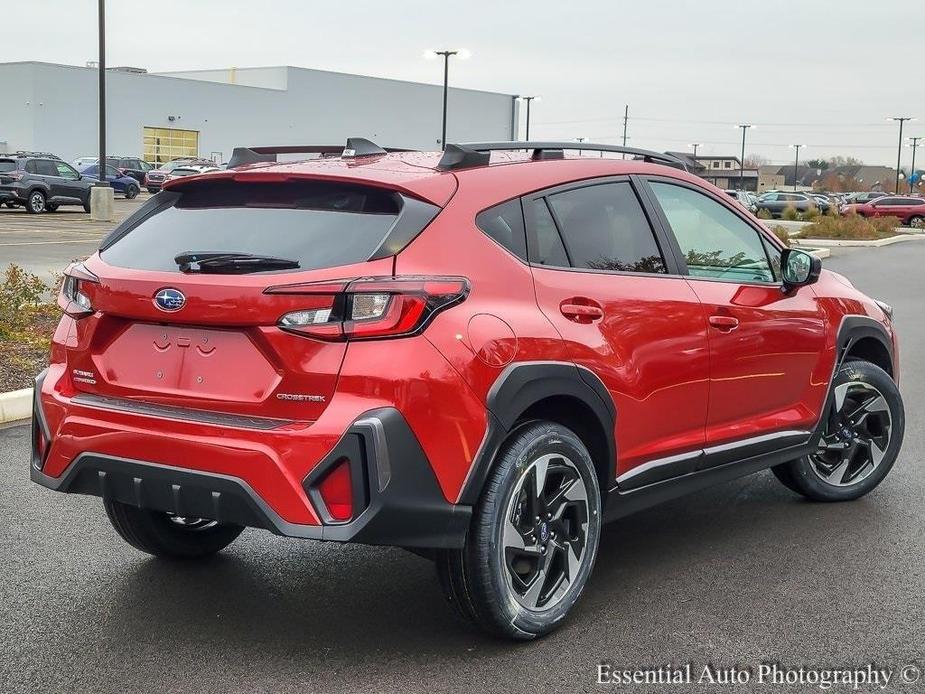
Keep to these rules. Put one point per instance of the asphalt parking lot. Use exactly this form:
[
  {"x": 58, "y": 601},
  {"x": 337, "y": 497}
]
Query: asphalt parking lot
[
  {"x": 45, "y": 244},
  {"x": 740, "y": 574}
]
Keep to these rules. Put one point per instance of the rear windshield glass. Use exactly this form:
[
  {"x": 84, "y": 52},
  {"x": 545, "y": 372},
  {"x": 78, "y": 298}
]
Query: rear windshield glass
[
  {"x": 316, "y": 224},
  {"x": 7, "y": 165}
]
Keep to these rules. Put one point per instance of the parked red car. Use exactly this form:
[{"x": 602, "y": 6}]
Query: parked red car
[
  {"x": 478, "y": 358},
  {"x": 910, "y": 210}
]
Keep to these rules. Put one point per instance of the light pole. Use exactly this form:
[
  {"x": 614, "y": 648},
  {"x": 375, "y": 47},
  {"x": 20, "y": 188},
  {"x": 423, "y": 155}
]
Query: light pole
[
  {"x": 528, "y": 99},
  {"x": 462, "y": 55},
  {"x": 899, "y": 153},
  {"x": 101, "y": 194},
  {"x": 745, "y": 127},
  {"x": 695, "y": 145},
  {"x": 796, "y": 165},
  {"x": 914, "y": 145}
]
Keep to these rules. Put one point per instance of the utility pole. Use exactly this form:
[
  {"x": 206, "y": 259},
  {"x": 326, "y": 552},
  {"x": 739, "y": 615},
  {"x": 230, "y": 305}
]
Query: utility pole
[
  {"x": 915, "y": 144},
  {"x": 796, "y": 165},
  {"x": 745, "y": 127},
  {"x": 695, "y": 145},
  {"x": 626, "y": 117},
  {"x": 899, "y": 153}
]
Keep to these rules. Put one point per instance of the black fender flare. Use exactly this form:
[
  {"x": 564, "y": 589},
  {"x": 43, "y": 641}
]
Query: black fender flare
[
  {"x": 519, "y": 387},
  {"x": 854, "y": 328},
  {"x": 851, "y": 329}
]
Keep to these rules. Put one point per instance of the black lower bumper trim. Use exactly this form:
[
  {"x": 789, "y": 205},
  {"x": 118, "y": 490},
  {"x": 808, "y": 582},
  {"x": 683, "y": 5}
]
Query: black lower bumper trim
[{"x": 405, "y": 506}]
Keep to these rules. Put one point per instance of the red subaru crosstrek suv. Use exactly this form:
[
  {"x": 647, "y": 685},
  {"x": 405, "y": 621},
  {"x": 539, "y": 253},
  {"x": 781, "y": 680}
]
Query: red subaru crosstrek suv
[{"x": 480, "y": 355}]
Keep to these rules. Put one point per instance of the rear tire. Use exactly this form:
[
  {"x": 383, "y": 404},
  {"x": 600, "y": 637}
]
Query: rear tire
[
  {"x": 166, "y": 536},
  {"x": 917, "y": 222},
  {"x": 528, "y": 555},
  {"x": 35, "y": 203},
  {"x": 861, "y": 440},
  {"x": 131, "y": 192},
  {"x": 51, "y": 208}
]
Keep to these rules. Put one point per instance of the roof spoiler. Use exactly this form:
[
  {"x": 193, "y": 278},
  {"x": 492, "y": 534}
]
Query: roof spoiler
[
  {"x": 355, "y": 147},
  {"x": 478, "y": 153}
]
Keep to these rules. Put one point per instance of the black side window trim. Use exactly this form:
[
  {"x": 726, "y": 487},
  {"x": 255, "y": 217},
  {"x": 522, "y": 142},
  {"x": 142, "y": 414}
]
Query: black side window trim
[
  {"x": 676, "y": 248},
  {"x": 662, "y": 240}
]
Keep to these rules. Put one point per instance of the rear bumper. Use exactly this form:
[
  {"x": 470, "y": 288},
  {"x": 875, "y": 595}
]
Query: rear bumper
[{"x": 398, "y": 499}]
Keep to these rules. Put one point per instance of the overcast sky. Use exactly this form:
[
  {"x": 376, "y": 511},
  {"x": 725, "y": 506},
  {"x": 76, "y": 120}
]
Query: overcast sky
[{"x": 823, "y": 73}]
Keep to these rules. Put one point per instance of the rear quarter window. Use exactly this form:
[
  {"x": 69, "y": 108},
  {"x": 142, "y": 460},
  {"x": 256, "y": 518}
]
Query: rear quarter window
[
  {"x": 505, "y": 224},
  {"x": 7, "y": 165},
  {"x": 317, "y": 224}
]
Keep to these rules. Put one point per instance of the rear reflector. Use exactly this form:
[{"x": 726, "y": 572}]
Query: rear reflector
[
  {"x": 336, "y": 491},
  {"x": 371, "y": 307}
]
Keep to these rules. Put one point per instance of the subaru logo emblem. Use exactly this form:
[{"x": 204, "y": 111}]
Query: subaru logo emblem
[{"x": 169, "y": 300}]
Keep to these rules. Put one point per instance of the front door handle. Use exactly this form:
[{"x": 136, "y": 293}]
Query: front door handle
[
  {"x": 725, "y": 323},
  {"x": 581, "y": 310}
]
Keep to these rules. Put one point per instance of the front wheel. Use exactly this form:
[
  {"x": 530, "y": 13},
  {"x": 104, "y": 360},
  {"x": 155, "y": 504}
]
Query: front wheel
[
  {"x": 169, "y": 536},
  {"x": 861, "y": 440},
  {"x": 917, "y": 222},
  {"x": 533, "y": 538},
  {"x": 131, "y": 192}
]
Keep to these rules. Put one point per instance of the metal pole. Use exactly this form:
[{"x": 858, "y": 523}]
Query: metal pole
[
  {"x": 446, "y": 83},
  {"x": 626, "y": 115},
  {"x": 528, "y": 100},
  {"x": 899, "y": 153},
  {"x": 103, "y": 181},
  {"x": 695, "y": 146},
  {"x": 742, "y": 160},
  {"x": 796, "y": 166},
  {"x": 915, "y": 143}
]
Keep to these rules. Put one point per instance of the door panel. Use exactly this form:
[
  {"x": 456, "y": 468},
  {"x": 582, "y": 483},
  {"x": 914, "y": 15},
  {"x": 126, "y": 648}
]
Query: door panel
[
  {"x": 765, "y": 345},
  {"x": 649, "y": 348},
  {"x": 624, "y": 317},
  {"x": 764, "y": 367}
]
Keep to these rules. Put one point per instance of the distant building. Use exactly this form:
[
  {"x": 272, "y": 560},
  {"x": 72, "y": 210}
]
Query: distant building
[
  {"x": 837, "y": 179},
  {"x": 206, "y": 113},
  {"x": 723, "y": 172}
]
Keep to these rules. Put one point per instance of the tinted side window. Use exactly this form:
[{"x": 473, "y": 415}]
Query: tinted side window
[
  {"x": 714, "y": 241},
  {"x": 545, "y": 243},
  {"x": 47, "y": 167},
  {"x": 30, "y": 166},
  {"x": 505, "y": 224},
  {"x": 604, "y": 228}
]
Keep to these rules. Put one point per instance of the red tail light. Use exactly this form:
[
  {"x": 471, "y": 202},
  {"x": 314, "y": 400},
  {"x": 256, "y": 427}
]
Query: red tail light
[
  {"x": 13, "y": 175},
  {"x": 336, "y": 491},
  {"x": 370, "y": 307},
  {"x": 72, "y": 299}
]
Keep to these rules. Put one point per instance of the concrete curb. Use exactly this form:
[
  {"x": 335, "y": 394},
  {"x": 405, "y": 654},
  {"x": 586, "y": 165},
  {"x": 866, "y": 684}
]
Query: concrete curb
[
  {"x": 818, "y": 252},
  {"x": 15, "y": 405},
  {"x": 832, "y": 243}
]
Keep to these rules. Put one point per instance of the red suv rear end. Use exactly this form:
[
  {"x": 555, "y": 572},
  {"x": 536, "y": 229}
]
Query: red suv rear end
[{"x": 477, "y": 359}]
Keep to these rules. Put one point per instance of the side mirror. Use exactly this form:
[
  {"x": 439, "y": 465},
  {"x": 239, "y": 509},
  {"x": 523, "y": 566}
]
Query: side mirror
[{"x": 799, "y": 268}]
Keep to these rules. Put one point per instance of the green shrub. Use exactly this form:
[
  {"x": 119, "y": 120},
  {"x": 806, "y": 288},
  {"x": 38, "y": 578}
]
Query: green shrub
[
  {"x": 764, "y": 214},
  {"x": 850, "y": 226},
  {"x": 781, "y": 234},
  {"x": 21, "y": 295},
  {"x": 811, "y": 215},
  {"x": 790, "y": 213}
]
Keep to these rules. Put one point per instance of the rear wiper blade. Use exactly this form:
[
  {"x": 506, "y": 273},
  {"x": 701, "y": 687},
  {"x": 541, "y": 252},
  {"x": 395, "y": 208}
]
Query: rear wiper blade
[{"x": 218, "y": 262}]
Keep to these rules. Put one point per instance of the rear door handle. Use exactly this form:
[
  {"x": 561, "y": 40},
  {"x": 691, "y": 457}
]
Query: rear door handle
[
  {"x": 584, "y": 312},
  {"x": 724, "y": 322}
]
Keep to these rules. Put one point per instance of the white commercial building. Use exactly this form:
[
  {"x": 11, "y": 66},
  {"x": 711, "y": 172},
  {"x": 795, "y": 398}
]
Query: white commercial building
[{"x": 53, "y": 108}]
